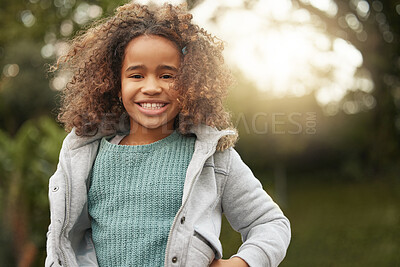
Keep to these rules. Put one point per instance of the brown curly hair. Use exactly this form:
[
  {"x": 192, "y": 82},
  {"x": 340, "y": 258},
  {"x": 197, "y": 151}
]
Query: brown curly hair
[{"x": 90, "y": 100}]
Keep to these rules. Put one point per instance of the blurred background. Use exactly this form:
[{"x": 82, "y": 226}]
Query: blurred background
[{"x": 316, "y": 102}]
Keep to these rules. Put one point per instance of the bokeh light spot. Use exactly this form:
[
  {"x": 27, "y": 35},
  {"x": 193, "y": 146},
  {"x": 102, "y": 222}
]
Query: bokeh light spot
[
  {"x": 27, "y": 18},
  {"x": 11, "y": 70},
  {"x": 47, "y": 51},
  {"x": 66, "y": 28}
]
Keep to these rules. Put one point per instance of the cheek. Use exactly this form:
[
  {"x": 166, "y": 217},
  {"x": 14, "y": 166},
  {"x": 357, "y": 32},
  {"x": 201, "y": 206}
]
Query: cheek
[
  {"x": 127, "y": 88},
  {"x": 174, "y": 93},
  {"x": 174, "y": 96}
]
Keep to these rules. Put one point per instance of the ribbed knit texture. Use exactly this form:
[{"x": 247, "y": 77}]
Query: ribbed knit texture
[{"x": 134, "y": 196}]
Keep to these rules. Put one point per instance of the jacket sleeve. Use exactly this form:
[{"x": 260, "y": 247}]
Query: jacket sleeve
[{"x": 250, "y": 210}]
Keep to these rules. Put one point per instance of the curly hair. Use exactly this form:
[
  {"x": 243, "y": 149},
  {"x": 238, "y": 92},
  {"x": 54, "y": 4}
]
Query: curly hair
[{"x": 90, "y": 100}]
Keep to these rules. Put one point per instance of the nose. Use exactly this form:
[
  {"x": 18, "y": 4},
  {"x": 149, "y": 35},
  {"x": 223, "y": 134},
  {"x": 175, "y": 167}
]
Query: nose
[{"x": 151, "y": 86}]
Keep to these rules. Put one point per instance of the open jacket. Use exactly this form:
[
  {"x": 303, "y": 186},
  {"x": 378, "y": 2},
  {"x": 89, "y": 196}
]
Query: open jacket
[{"x": 216, "y": 183}]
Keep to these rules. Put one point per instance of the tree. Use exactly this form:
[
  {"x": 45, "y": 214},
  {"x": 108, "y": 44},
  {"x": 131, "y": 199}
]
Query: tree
[
  {"x": 33, "y": 34},
  {"x": 27, "y": 160},
  {"x": 373, "y": 27}
]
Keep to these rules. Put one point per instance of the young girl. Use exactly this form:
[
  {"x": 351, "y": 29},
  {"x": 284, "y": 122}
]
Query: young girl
[{"x": 148, "y": 167}]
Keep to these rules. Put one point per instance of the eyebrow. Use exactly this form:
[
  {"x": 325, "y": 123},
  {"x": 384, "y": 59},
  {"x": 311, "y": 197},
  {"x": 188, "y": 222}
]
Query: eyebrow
[
  {"x": 167, "y": 67},
  {"x": 135, "y": 67},
  {"x": 159, "y": 67}
]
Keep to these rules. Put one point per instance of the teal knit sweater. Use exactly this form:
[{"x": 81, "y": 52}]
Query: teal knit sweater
[{"x": 134, "y": 195}]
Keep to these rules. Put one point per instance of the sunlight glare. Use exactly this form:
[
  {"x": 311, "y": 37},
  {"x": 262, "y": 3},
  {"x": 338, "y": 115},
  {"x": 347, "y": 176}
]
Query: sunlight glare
[
  {"x": 278, "y": 11},
  {"x": 283, "y": 56},
  {"x": 328, "y": 6}
]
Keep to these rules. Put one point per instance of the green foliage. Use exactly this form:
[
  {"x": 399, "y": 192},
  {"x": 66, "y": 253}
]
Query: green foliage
[
  {"x": 27, "y": 160},
  {"x": 28, "y": 94}
]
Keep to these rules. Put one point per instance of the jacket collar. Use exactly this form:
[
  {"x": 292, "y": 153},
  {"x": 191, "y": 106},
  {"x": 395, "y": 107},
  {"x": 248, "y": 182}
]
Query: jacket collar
[{"x": 206, "y": 135}]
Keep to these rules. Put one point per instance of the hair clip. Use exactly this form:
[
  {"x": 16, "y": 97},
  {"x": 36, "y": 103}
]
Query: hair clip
[{"x": 184, "y": 50}]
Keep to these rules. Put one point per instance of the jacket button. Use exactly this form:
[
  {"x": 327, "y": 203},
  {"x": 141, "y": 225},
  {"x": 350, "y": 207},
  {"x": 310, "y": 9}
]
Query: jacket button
[
  {"x": 55, "y": 188},
  {"x": 174, "y": 259},
  {"x": 182, "y": 219}
]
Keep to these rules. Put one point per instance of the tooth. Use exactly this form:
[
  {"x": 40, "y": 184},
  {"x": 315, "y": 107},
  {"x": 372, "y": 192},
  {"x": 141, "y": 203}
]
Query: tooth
[{"x": 152, "y": 105}]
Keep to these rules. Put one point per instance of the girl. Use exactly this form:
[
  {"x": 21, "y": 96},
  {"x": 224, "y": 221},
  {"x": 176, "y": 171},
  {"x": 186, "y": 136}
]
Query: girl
[{"x": 148, "y": 167}]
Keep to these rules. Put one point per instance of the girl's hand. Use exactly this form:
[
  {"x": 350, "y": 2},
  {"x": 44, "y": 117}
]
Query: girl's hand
[{"x": 233, "y": 262}]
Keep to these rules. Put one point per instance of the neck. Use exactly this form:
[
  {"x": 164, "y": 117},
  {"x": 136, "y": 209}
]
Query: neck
[{"x": 139, "y": 135}]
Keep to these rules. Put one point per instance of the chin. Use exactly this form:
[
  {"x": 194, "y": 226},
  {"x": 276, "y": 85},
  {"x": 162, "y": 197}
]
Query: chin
[{"x": 153, "y": 126}]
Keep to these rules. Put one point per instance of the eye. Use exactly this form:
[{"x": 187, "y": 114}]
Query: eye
[
  {"x": 167, "y": 76},
  {"x": 136, "y": 76}
]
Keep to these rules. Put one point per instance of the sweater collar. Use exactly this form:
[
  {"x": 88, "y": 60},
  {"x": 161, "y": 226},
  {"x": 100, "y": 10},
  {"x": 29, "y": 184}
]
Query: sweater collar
[{"x": 205, "y": 134}]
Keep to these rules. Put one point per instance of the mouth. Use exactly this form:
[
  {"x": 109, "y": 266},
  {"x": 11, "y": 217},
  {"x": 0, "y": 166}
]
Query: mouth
[{"x": 152, "y": 106}]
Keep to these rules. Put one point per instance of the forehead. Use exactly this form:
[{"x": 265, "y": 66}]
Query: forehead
[{"x": 151, "y": 50}]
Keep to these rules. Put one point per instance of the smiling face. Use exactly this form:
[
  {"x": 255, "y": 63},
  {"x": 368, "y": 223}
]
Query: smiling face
[{"x": 147, "y": 77}]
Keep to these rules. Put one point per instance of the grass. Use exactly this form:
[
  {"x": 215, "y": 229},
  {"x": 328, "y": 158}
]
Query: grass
[{"x": 339, "y": 223}]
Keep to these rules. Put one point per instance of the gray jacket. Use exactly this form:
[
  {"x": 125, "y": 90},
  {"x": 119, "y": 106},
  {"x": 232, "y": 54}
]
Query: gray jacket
[{"x": 216, "y": 183}]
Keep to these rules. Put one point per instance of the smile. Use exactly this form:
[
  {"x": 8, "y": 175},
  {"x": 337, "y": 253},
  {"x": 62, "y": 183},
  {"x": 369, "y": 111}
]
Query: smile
[{"x": 152, "y": 106}]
